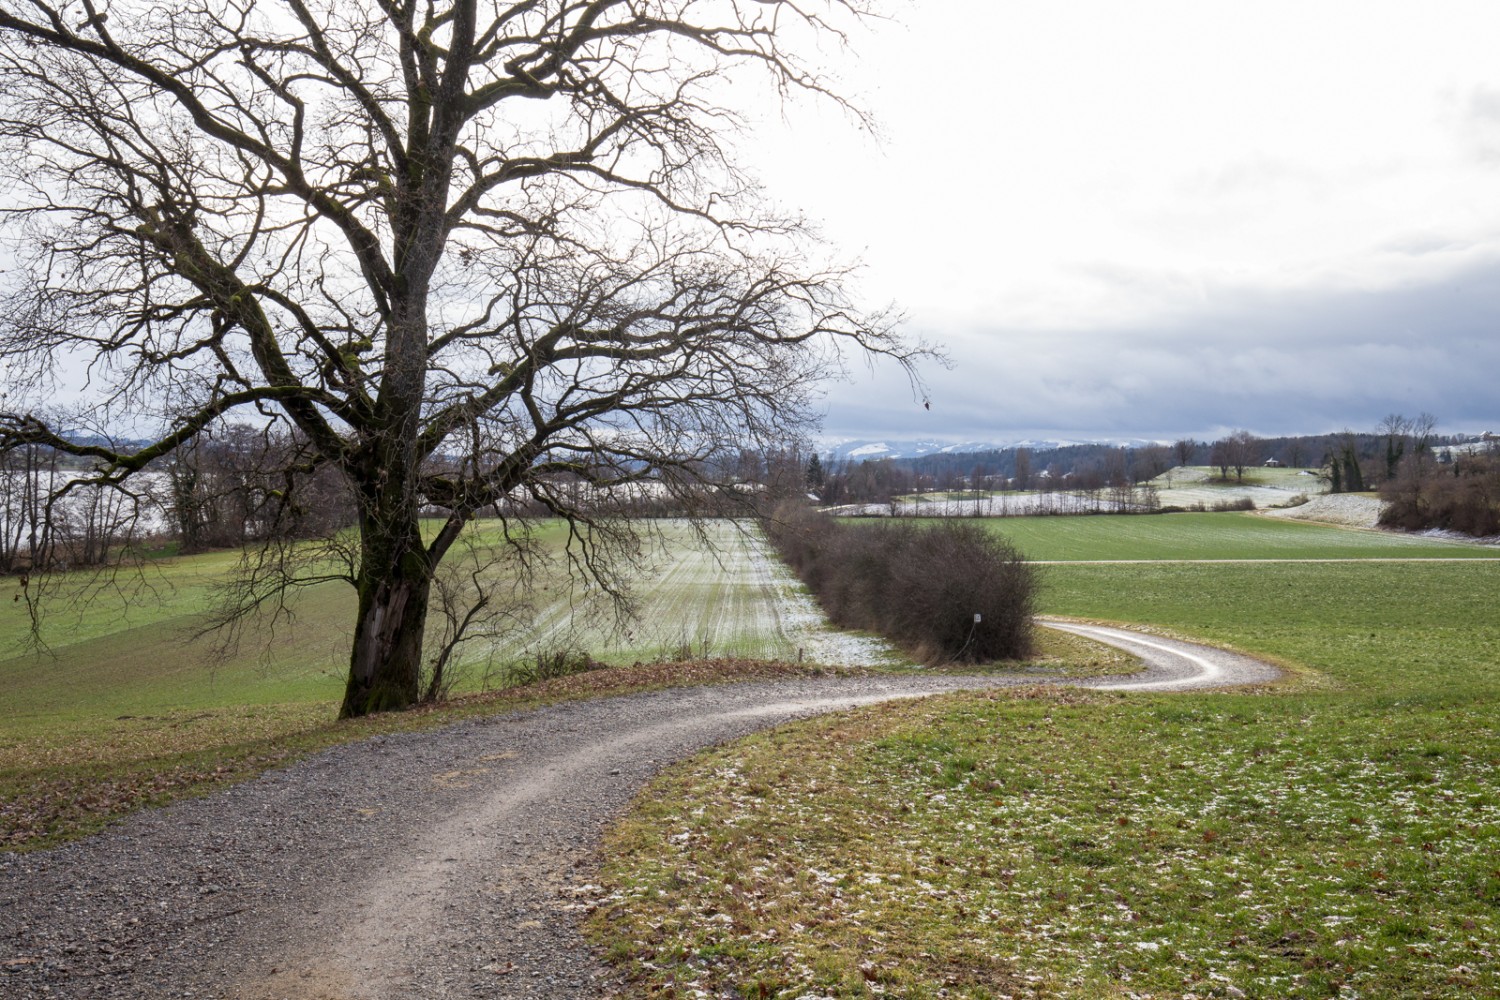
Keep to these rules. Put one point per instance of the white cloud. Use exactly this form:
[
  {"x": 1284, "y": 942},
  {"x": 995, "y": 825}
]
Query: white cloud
[{"x": 1080, "y": 195}]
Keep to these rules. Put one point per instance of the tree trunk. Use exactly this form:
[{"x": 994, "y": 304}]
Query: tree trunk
[{"x": 395, "y": 579}]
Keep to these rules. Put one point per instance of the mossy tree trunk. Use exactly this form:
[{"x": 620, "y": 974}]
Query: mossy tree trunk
[{"x": 394, "y": 581}]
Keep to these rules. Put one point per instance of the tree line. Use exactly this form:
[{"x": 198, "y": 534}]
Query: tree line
[{"x": 1346, "y": 461}]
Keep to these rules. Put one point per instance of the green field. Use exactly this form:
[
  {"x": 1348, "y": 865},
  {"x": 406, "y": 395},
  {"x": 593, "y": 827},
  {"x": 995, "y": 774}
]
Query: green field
[
  {"x": 1334, "y": 836},
  {"x": 1233, "y": 535},
  {"x": 129, "y": 647}
]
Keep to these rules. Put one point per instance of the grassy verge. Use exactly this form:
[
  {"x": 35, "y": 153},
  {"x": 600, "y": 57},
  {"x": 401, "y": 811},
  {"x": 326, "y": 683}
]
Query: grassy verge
[{"x": 1333, "y": 840}]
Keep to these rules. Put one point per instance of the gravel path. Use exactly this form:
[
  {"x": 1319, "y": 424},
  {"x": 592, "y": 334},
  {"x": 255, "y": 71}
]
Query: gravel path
[{"x": 433, "y": 865}]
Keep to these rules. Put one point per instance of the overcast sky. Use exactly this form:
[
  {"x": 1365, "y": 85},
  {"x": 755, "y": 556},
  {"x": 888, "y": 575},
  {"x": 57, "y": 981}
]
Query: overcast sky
[{"x": 1167, "y": 217}]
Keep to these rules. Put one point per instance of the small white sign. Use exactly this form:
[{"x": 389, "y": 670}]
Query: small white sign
[{"x": 977, "y": 618}]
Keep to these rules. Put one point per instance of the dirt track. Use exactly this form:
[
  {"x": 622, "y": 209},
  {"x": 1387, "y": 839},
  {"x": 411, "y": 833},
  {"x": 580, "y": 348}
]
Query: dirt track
[{"x": 432, "y": 865}]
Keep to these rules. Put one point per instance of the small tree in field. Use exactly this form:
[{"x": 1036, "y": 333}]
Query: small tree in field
[
  {"x": 466, "y": 251},
  {"x": 1183, "y": 449}
]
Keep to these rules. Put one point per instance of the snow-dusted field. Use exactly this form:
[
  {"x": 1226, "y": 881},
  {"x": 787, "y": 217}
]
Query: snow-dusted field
[
  {"x": 1356, "y": 511},
  {"x": 1182, "y": 487},
  {"x": 1348, "y": 509},
  {"x": 1000, "y": 505},
  {"x": 730, "y": 597},
  {"x": 1266, "y": 487}
]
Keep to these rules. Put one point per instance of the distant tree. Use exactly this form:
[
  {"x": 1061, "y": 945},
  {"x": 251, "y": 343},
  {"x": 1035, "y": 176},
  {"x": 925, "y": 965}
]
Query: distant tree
[
  {"x": 1346, "y": 474},
  {"x": 1150, "y": 462},
  {"x": 1334, "y": 472},
  {"x": 1396, "y": 429},
  {"x": 1185, "y": 449},
  {"x": 27, "y": 477},
  {"x": 815, "y": 476},
  {"x": 1242, "y": 450},
  {"x": 1022, "y": 480},
  {"x": 1219, "y": 456},
  {"x": 1116, "y": 469}
]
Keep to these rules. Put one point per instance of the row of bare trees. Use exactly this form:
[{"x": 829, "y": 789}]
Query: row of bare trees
[
  {"x": 48, "y": 519},
  {"x": 1452, "y": 489},
  {"x": 1399, "y": 445}
]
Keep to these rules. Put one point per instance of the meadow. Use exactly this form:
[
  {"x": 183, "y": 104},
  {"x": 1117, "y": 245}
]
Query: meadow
[
  {"x": 127, "y": 705},
  {"x": 1333, "y": 835},
  {"x": 1236, "y": 535},
  {"x": 133, "y": 645}
]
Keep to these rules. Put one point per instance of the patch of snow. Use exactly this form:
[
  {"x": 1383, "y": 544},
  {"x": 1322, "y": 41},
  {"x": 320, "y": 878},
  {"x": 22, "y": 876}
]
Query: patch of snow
[
  {"x": 1348, "y": 509},
  {"x": 804, "y": 626},
  {"x": 1000, "y": 505}
]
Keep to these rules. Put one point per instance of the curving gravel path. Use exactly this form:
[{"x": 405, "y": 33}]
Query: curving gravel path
[
  {"x": 1171, "y": 664},
  {"x": 434, "y": 865}
]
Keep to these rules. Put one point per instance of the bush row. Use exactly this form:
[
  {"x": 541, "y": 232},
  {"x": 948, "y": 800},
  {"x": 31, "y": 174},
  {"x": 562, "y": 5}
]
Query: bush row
[
  {"x": 1464, "y": 497},
  {"x": 946, "y": 591}
]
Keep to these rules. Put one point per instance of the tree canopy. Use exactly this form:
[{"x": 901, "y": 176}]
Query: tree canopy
[{"x": 464, "y": 251}]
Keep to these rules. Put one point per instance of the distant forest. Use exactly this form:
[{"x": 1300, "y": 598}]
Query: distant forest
[{"x": 1348, "y": 462}]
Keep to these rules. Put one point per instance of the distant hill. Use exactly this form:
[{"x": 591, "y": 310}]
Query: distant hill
[{"x": 858, "y": 450}]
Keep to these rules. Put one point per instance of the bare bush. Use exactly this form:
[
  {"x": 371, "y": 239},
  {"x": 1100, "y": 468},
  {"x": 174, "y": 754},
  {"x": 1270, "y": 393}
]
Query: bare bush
[
  {"x": 549, "y": 664},
  {"x": 949, "y": 591},
  {"x": 1465, "y": 497}
]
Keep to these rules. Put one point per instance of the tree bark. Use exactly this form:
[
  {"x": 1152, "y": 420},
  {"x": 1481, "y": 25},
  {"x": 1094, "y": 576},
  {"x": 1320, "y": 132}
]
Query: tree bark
[{"x": 394, "y": 582}]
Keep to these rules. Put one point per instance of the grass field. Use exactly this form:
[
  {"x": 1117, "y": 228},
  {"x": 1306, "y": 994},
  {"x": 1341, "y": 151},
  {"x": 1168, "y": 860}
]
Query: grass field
[
  {"x": 1335, "y": 836},
  {"x": 1215, "y": 536},
  {"x": 131, "y": 650},
  {"x": 124, "y": 710}
]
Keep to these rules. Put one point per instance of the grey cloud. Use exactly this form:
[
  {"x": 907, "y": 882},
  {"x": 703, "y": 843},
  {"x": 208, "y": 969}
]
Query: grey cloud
[{"x": 1302, "y": 362}]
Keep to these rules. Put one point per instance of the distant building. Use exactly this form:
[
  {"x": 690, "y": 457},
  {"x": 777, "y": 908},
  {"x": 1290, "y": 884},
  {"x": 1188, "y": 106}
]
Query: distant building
[{"x": 1271, "y": 463}]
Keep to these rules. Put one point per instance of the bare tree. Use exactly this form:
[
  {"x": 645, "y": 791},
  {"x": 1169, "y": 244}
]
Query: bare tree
[
  {"x": 1023, "y": 469},
  {"x": 1244, "y": 451},
  {"x": 1238, "y": 451},
  {"x": 1151, "y": 461},
  {"x": 1219, "y": 455},
  {"x": 467, "y": 250},
  {"x": 1184, "y": 449},
  {"x": 1402, "y": 433},
  {"x": 1397, "y": 432}
]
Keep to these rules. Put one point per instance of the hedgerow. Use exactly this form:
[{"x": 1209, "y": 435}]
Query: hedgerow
[{"x": 946, "y": 591}]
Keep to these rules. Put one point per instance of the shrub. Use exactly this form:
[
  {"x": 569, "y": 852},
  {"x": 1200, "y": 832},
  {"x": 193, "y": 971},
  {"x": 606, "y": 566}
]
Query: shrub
[
  {"x": 920, "y": 585},
  {"x": 1464, "y": 497},
  {"x": 547, "y": 664}
]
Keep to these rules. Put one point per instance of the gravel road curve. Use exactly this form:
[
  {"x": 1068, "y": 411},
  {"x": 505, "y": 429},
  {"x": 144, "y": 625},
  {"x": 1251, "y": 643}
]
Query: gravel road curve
[{"x": 431, "y": 865}]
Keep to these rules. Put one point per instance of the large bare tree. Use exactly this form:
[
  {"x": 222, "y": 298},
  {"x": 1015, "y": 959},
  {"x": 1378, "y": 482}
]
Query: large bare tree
[{"x": 464, "y": 249}]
